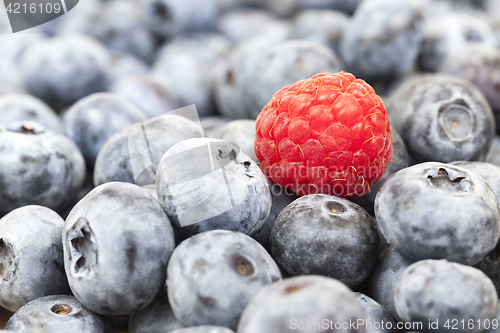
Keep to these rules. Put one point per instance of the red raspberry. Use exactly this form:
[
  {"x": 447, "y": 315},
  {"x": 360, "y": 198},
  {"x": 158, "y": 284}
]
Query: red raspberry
[{"x": 327, "y": 134}]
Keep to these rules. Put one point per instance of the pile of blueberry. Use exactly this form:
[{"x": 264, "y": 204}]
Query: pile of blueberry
[{"x": 119, "y": 215}]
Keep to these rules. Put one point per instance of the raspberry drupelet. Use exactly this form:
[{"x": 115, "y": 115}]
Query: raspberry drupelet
[{"x": 327, "y": 134}]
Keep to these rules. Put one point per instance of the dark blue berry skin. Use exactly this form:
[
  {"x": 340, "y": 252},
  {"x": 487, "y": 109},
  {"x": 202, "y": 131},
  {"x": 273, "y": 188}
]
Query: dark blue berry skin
[
  {"x": 284, "y": 64},
  {"x": 324, "y": 27},
  {"x": 58, "y": 313},
  {"x": 212, "y": 124},
  {"x": 172, "y": 17},
  {"x": 382, "y": 282},
  {"x": 240, "y": 132},
  {"x": 400, "y": 160},
  {"x": 64, "y": 69},
  {"x": 145, "y": 92},
  {"x": 233, "y": 75},
  {"x": 307, "y": 298},
  {"x": 117, "y": 241},
  {"x": 122, "y": 65},
  {"x": 157, "y": 317},
  {"x": 15, "y": 107},
  {"x": 495, "y": 329},
  {"x": 325, "y": 235},
  {"x": 95, "y": 118},
  {"x": 382, "y": 40},
  {"x": 198, "y": 198},
  {"x": 441, "y": 290},
  {"x": 442, "y": 118},
  {"x": 179, "y": 236},
  {"x": 289, "y": 7},
  {"x": 204, "y": 329},
  {"x": 114, "y": 162},
  {"x": 489, "y": 172},
  {"x": 490, "y": 266},
  {"x": 119, "y": 25},
  {"x": 449, "y": 32},
  {"x": 281, "y": 198},
  {"x": 376, "y": 314},
  {"x": 493, "y": 156},
  {"x": 241, "y": 24},
  {"x": 208, "y": 47},
  {"x": 212, "y": 276},
  {"x": 31, "y": 256},
  {"x": 478, "y": 63},
  {"x": 38, "y": 167},
  {"x": 187, "y": 80},
  {"x": 438, "y": 211}
]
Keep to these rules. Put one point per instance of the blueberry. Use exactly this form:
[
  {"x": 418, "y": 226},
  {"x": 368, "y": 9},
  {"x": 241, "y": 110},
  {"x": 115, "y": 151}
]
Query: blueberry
[
  {"x": 122, "y": 65},
  {"x": 187, "y": 80},
  {"x": 400, "y": 160},
  {"x": 12, "y": 48},
  {"x": 58, "y": 313},
  {"x": 438, "y": 211},
  {"x": 157, "y": 317},
  {"x": 324, "y": 27},
  {"x": 212, "y": 276},
  {"x": 207, "y": 47},
  {"x": 288, "y": 7},
  {"x": 494, "y": 326},
  {"x": 382, "y": 40},
  {"x": 234, "y": 75},
  {"x": 308, "y": 303},
  {"x": 63, "y": 69},
  {"x": 14, "y": 107},
  {"x": 212, "y": 124},
  {"x": 95, "y": 118},
  {"x": 240, "y": 132},
  {"x": 479, "y": 64},
  {"x": 119, "y": 25},
  {"x": 448, "y": 32},
  {"x": 204, "y": 184},
  {"x": 382, "y": 282},
  {"x": 281, "y": 197},
  {"x": 171, "y": 17},
  {"x": 490, "y": 266},
  {"x": 444, "y": 119},
  {"x": 493, "y": 156},
  {"x": 151, "y": 189},
  {"x": 286, "y": 63},
  {"x": 117, "y": 241},
  {"x": 241, "y": 24},
  {"x": 489, "y": 172},
  {"x": 114, "y": 160},
  {"x": 31, "y": 256},
  {"x": 376, "y": 316},
  {"x": 441, "y": 292},
  {"x": 204, "y": 329},
  {"x": 326, "y": 235},
  {"x": 147, "y": 93},
  {"x": 38, "y": 167}
]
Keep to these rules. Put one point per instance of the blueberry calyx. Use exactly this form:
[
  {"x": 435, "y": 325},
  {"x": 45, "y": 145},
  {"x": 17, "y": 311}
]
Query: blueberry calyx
[
  {"x": 456, "y": 121},
  {"x": 335, "y": 207},
  {"x": 7, "y": 259},
  {"x": 61, "y": 309},
  {"x": 448, "y": 182},
  {"x": 83, "y": 249},
  {"x": 26, "y": 127},
  {"x": 243, "y": 266}
]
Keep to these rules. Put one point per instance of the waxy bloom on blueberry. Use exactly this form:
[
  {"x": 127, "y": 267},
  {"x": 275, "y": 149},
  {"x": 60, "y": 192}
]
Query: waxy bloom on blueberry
[{"x": 328, "y": 134}]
